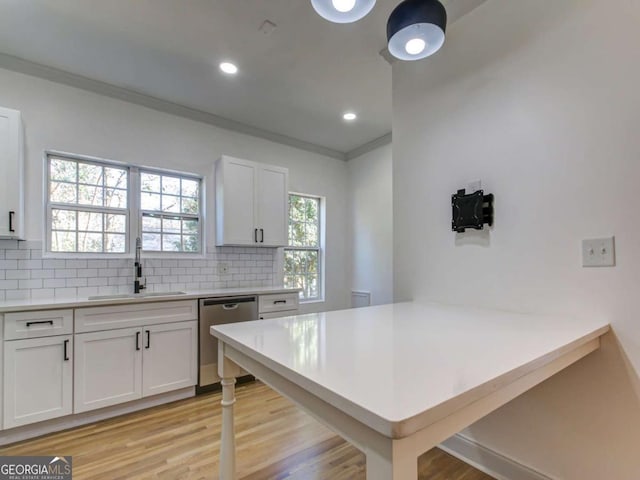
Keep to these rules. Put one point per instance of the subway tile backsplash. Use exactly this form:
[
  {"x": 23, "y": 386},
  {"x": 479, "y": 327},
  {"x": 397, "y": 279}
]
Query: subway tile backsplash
[{"x": 24, "y": 274}]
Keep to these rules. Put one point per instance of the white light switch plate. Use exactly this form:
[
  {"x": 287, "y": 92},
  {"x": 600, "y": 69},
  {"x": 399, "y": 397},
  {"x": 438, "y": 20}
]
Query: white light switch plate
[{"x": 598, "y": 252}]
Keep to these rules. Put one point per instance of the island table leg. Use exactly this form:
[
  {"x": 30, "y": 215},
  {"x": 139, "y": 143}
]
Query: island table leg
[
  {"x": 228, "y": 437},
  {"x": 227, "y": 370},
  {"x": 399, "y": 463}
]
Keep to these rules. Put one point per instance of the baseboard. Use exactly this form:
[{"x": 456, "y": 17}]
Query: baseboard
[
  {"x": 489, "y": 461},
  {"x": 25, "y": 432}
]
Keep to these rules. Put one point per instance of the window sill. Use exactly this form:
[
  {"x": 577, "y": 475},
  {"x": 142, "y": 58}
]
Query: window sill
[{"x": 121, "y": 256}]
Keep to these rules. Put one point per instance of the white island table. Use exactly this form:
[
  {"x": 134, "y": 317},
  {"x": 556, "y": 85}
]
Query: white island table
[{"x": 396, "y": 380}]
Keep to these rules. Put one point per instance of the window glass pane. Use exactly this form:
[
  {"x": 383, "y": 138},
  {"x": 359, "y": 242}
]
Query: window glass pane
[
  {"x": 171, "y": 185},
  {"x": 150, "y": 182},
  {"x": 170, "y": 204},
  {"x": 150, "y": 201},
  {"x": 171, "y": 225},
  {"x": 190, "y": 188},
  {"x": 151, "y": 224},
  {"x": 91, "y": 174},
  {"x": 63, "y": 219},
  {"x": 90, "y": 221},
  {"x": 190, "y": 226},
  {"x": 190, "y": 205},
  {"x": 63, "y": 170},
  {"x": 311, "y": 210},
  {"x": 89, "y": 242},
  {"x": 115, "y": 223},
  {"x": 115, "y": 243},
  {"x": 171, "y": 243},
  {"x": 115, "y": 198},
  {"x": 296, "y": 208},
  {"x": 62, "y": 192},
  {"x": 190, "y": 243},
  {"x": 115, "y": 177},
  {"x": 63, "y": 241},
  {"x": 151, "y": 242},
  {"x": 297, "y": 235},
  {"x": 311, "y": 235},
  {"x": 89, "y": 195}
]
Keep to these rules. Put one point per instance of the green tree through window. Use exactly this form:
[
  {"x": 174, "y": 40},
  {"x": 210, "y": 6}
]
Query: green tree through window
[{"x": 303, "y": 256}]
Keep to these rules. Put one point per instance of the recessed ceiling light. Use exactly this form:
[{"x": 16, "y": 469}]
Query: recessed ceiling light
[
  {"x": 349, "y": 116},
  {"x": 228, "y": 68}
]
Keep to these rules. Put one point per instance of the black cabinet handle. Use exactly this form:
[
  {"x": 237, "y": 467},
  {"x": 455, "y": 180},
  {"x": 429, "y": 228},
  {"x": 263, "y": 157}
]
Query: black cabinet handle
[
  {"x": 66, "y": 352},
  {"x": 148, "y": 332},
  {"x": 262, "y": 235},
  {"x": 11, "y": 214},
  {"x": 138, "y": 340},
  {"x": 41, "y": 322},
  {"x": 255, "y": 235},
  {"x": 275, "y": 302}
]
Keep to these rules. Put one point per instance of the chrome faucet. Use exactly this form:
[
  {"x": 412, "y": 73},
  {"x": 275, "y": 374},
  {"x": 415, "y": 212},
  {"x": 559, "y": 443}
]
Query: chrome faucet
[{"x": 137, "y": 267}]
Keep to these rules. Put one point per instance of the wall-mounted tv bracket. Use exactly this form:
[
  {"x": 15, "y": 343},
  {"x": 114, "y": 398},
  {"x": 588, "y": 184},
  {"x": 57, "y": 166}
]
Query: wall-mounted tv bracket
[{"x": 471, "y": 211}]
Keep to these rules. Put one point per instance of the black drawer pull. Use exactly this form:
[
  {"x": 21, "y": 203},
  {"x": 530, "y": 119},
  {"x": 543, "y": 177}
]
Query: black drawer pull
[
  {"x": 11, "y": 214},
  {"x": 262, "y": 235},
  {"x": 41, "y": 322},
  {"x": 276, "y": 302},
  {"x": 66, "y": 352},
  {"x": 138, "y": 340},
  {"x": 148, "y": 339}
]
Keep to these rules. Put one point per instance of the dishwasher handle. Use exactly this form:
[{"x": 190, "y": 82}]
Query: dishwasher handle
[
  {"x": 225, "y": 301},
  {"x": 230, "y": 306}
]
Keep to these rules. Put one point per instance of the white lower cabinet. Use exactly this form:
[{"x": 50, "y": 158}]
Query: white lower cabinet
[
  {"x": 107, "y": 368},
  {"x": 169, "y": 359},
  {"x": 38, "y": 379},
  {"x": 117, "y": 366}
]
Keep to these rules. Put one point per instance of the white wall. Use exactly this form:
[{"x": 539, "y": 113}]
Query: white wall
[
  {"x": 539, "y": 100},
  {"x": 72, "y": 120},
  {"x": 371, "y": 216}
]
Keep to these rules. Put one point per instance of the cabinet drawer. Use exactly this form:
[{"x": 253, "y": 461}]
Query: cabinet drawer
[
  {"x": 94, "y": 319},
  {"x": 278, "y": 302},
  {"x": 45, "y": 323}
]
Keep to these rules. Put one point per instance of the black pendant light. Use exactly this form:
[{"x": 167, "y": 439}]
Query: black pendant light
[{"x": 416, "y": 29}]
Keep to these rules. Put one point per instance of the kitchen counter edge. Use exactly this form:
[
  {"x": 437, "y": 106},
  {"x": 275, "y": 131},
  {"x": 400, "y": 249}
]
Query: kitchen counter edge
[{"x": 80, "y": 302}]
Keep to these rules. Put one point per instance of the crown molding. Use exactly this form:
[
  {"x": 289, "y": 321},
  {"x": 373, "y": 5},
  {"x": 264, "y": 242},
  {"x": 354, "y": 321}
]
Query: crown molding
[
  {"x": 45, "y": 72},
  {"x": 369, "y": 146}
]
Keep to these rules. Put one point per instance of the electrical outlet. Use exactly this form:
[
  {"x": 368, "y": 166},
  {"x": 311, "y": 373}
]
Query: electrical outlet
[
  {"x": 598, "y": 252},
  {"x": 223, "y": 268}
]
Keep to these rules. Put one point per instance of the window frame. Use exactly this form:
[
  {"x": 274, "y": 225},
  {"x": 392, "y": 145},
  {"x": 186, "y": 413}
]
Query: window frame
[
  {"x": 199, "y": 217},
  {"x": 133, "y": 212},
  {"x": 319, "y": 249}
]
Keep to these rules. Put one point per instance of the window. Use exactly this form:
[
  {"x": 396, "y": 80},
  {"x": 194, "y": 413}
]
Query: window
[
  {"x": 99, "y": 207},
  {"x": 170, "y": 209},
  {"x": 303, "y": 256},
  {"x": 87, "y": 206}
]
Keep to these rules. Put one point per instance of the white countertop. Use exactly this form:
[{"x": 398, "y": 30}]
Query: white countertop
[
  {"x": 388, "y": 365},
  {"x": 74, "y": 302}
]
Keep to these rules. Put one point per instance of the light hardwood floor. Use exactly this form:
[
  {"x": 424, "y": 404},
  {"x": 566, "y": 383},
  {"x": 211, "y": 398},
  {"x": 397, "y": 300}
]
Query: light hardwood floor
[{"x": 275, "y": 441}]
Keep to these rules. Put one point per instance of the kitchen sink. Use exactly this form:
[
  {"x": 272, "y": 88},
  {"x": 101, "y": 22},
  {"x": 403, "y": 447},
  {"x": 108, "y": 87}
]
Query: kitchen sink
[{"x": 134, "y": 295}]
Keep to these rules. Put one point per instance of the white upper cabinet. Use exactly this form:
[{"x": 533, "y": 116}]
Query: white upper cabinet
[
  {"x": 11, "y": 174},
  {"x": 251, "y": 203}
]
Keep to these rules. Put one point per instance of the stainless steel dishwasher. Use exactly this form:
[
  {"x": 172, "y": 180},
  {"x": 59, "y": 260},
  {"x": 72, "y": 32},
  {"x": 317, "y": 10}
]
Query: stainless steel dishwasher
[{"x": 218, "y": 311}]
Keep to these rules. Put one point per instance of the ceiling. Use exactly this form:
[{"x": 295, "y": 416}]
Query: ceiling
[{"x": 294, "y": 82}]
